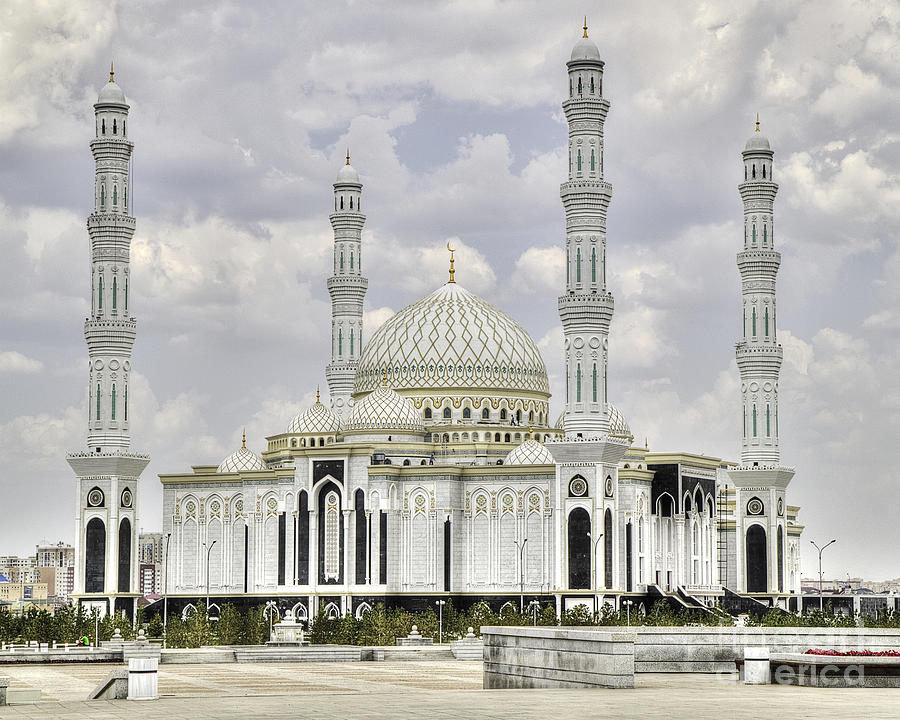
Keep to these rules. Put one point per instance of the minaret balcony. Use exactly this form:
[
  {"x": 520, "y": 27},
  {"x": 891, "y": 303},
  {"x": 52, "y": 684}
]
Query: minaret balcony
[
  {"x": 590, "y": 309},
  {"x": 758, "y": 190},
  {"x": 759, "y": 262},
  {"x": 586, "y": 108}
]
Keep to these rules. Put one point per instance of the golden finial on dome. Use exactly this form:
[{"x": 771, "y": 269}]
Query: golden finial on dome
[
  {"x": 111, "y": 71},
  {"x": 317, "y": 394},
  {"x": 452, "y": 271},
  {"x": 757, "y": 122},
  {"x": 384, "y": 378},
  {"x": 585, "y": 26},
  {"x": 244, "y": 440},
  {"x": 646, "y": 443},
  {"x": 348, "y": 156}
]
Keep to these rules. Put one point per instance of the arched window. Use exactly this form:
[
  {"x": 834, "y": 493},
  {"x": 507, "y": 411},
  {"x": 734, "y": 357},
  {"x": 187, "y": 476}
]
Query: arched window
[
  {"x": 593, "y": 265},
  {"x": 754, "y": 171},
  {"x": 126, "y": 403},
  {"x": 95, "y": 556},
  {"x": 98, "y": 401},
  {"x": 485, "y": 414},
  {"x": 765, "y": 234},
  {"x": 766, "y": 319},
  {"x": 518, "y": 417},
  {"x": 753, "y": 239},
  {"x": 446, "y": 413},
  {"x": 351, "y": 342},
  {"x": 115, "y": 291},
  {"x": 594, "y": 383},
  {"x": 112, "y": 407},
  {"x": 428, "y": 413},
  {"x": 103, "y": 126},
  {"x": 764, "y": 170},
  {"x": 745, "y": 172},
  {"x": 351, "y": 202},
  {"x": 342, "y": 202},
  {"x": 579, "y": 547},
  {"x": 744, "y": 409},
  {"x": 351, "y": 259},
  {"x": 100, "y": 294},
  {"x": 592, "y": 160},
  {"x": 592, "y": 91},
  {"x": 578, "y": 383},
  {"x": 768, "y": 421},
  {"x": 115, "y": 195},
  {"x": 126, "y": 294},
  {"x": 467, "y": 413},
  {"x": 340, "y": 342},
  {"x": 578, "y": 159},
  {"x": 570, "y": 87},
  {"x": 756, "y": 559},
  {"x": 503, "y": 414},
  {"x": 124, "y": 569},
  {"x": 579, "y": 86},
  {"x": 578, "y": 265},
  {"x": 753, "y": 321},
  {"x": 754, "y": 419},
  {"x": 114, "y": 127},
  {"x": 341, "y": 266},
  {"x": 103, "y": 196},
  {"x": 125, "y": 197}
]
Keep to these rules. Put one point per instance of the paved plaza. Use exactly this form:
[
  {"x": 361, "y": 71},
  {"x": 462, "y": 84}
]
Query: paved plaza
[{"x": 421, "y": 689}]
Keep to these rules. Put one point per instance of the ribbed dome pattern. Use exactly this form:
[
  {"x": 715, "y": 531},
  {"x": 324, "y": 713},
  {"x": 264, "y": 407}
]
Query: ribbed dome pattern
[
  {"x": 618, "y": 425},
  {"x": 243, "y": 460},
  {"x": 316, "y": 420},
  {"x": 452, "y": 340},
  {"x": 385, "y": 409},
  {"x": 530, "y": 452}
]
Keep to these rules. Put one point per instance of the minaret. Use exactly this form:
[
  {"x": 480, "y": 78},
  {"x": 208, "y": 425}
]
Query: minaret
[
  {"x": 347, "y": 288},
  {"x": 106, "y": 519},
  {"x": 760, "y": 480},
  {"x": 586, "y": 308}
]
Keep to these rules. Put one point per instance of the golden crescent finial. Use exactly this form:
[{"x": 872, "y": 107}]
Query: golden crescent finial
[
  {"x": 757, "y": 122},
  {"x": 244, "y": 439},
  {"x": 317, "y": 394},
  {"x": 348, "y": 156},
  {"x": 585, "y": 25},
  {"x": 452, "y": 271},
  {"x": 111, "y": 71}
]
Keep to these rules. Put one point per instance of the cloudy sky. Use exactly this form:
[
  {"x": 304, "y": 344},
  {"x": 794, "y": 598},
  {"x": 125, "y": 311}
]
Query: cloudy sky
[{"x": 241, "y": 114}]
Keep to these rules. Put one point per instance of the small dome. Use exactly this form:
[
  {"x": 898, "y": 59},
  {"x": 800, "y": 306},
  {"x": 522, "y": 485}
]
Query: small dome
[
  {"x": 561, "y": 421},
  {"x": 618, "y": 425},
  {"x": 585, "y": 49},
  {"x": 243, "y": 460},
  {"x": 530, "y": 452},
  {"x": 757, "y": 141},
  {"x": 111, "y": 94},
  {"x": 385, "y": 409},
  {"x": 317, "y": 420},
  {"x": 347, "y": 174}
]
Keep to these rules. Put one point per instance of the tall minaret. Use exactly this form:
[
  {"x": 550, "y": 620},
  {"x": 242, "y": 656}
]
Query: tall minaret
[
  {"x": 106, "y": 513},
  {"x": 586, "y": 309},
  {"x": 347, "y": 288},
  {"x": 760, "y": 480}
]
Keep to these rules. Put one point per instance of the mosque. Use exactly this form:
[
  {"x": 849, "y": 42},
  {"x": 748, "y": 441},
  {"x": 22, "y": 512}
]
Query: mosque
[{"x": 435, "y": 470}]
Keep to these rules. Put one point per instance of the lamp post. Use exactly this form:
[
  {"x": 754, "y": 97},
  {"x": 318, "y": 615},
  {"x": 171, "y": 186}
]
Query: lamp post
[
  {"x": 96, "y": 627},
  {"x": 594, "y": 569},
  {"x": 521, "y": 548},
  {"x": 534, "y": 606},
  {"x": 270, "y": 608},
  {"x": 208, "y": 551},
  {"x": 628, "y": 604},
  {"x": 440, "y": 604},
  {"x": 166, "y": 592},
  {"x": 820, "y": 549}
]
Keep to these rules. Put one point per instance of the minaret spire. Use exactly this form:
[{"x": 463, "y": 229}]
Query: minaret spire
[
  {"x": 452, "y": 271},
  {"x": 108, "y": 472},
  {"x": 586, "y": 307},
  {"x": 585, "y": 26},
  {"x": 112, "y": 73},
  {"x": 347, "y": 288}
]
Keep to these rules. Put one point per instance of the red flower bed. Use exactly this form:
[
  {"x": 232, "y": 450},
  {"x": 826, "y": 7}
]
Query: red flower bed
[{"x": 854, "y": 653}]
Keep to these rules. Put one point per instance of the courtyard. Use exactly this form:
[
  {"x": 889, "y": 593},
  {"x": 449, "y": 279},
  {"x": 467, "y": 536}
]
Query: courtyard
[{"x": 445, "y": 689}]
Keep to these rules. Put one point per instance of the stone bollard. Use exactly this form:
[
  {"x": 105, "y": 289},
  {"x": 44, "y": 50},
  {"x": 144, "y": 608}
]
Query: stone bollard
[
  {"x": 143, "y": 678},
  {"x": 756, "y": 666},
  {"x": 4, "y": 683}
]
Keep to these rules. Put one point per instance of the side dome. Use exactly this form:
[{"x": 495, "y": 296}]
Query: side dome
[
  {"x": 111, "y": 94},
  {"x": 384, "y": 409},
  {"x": 243, "y": 460},
  {"x": 317, "y": 420},
  {"x": 618, "y": 425},
  {"x": 452, "y": 340},
  {"x": 530, "y": 452}
]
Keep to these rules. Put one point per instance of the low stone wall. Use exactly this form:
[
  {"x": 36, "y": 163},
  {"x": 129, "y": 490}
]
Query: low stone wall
[
  {"x": 551, "y": 657},
  {"x": 832, "y": 671},
  {"x": 714, "y": 649},
  {"x": 84, "y": 655}
]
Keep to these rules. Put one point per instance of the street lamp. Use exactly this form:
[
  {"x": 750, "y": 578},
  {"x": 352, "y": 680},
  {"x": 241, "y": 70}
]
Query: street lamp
[
  {"x": 534, "y": 606},
  {"x": 628, "y": 604},
  {"x": 521, "y": 548},
  {"x": 208, "y": 551},
  {"x": 440, "y": 604},
  {"x": 820, "y": 549},
  {"x": 166, "y": 593},
  {"x": 594, "y": 569},
  {"x": 271, "y": 607}
]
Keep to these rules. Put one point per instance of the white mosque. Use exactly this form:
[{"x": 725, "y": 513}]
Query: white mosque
[{"x": 435, "y": 471}]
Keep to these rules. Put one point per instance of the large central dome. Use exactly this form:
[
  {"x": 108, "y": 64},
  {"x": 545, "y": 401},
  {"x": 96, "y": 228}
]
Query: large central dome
[{"x": 452, "y": 340}]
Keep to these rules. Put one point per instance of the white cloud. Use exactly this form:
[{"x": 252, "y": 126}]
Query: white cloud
[
  {"x": 12, "y": 361},
  {"x": 541, "y": 270}
]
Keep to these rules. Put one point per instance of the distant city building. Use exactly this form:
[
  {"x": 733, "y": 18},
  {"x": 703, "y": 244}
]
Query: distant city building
[
  {"x": 55, "y": 565},
  {"x": 151, "y": 556},
  {"x": 17, "y": 569},
  {"x": 11, "y": 592}
]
